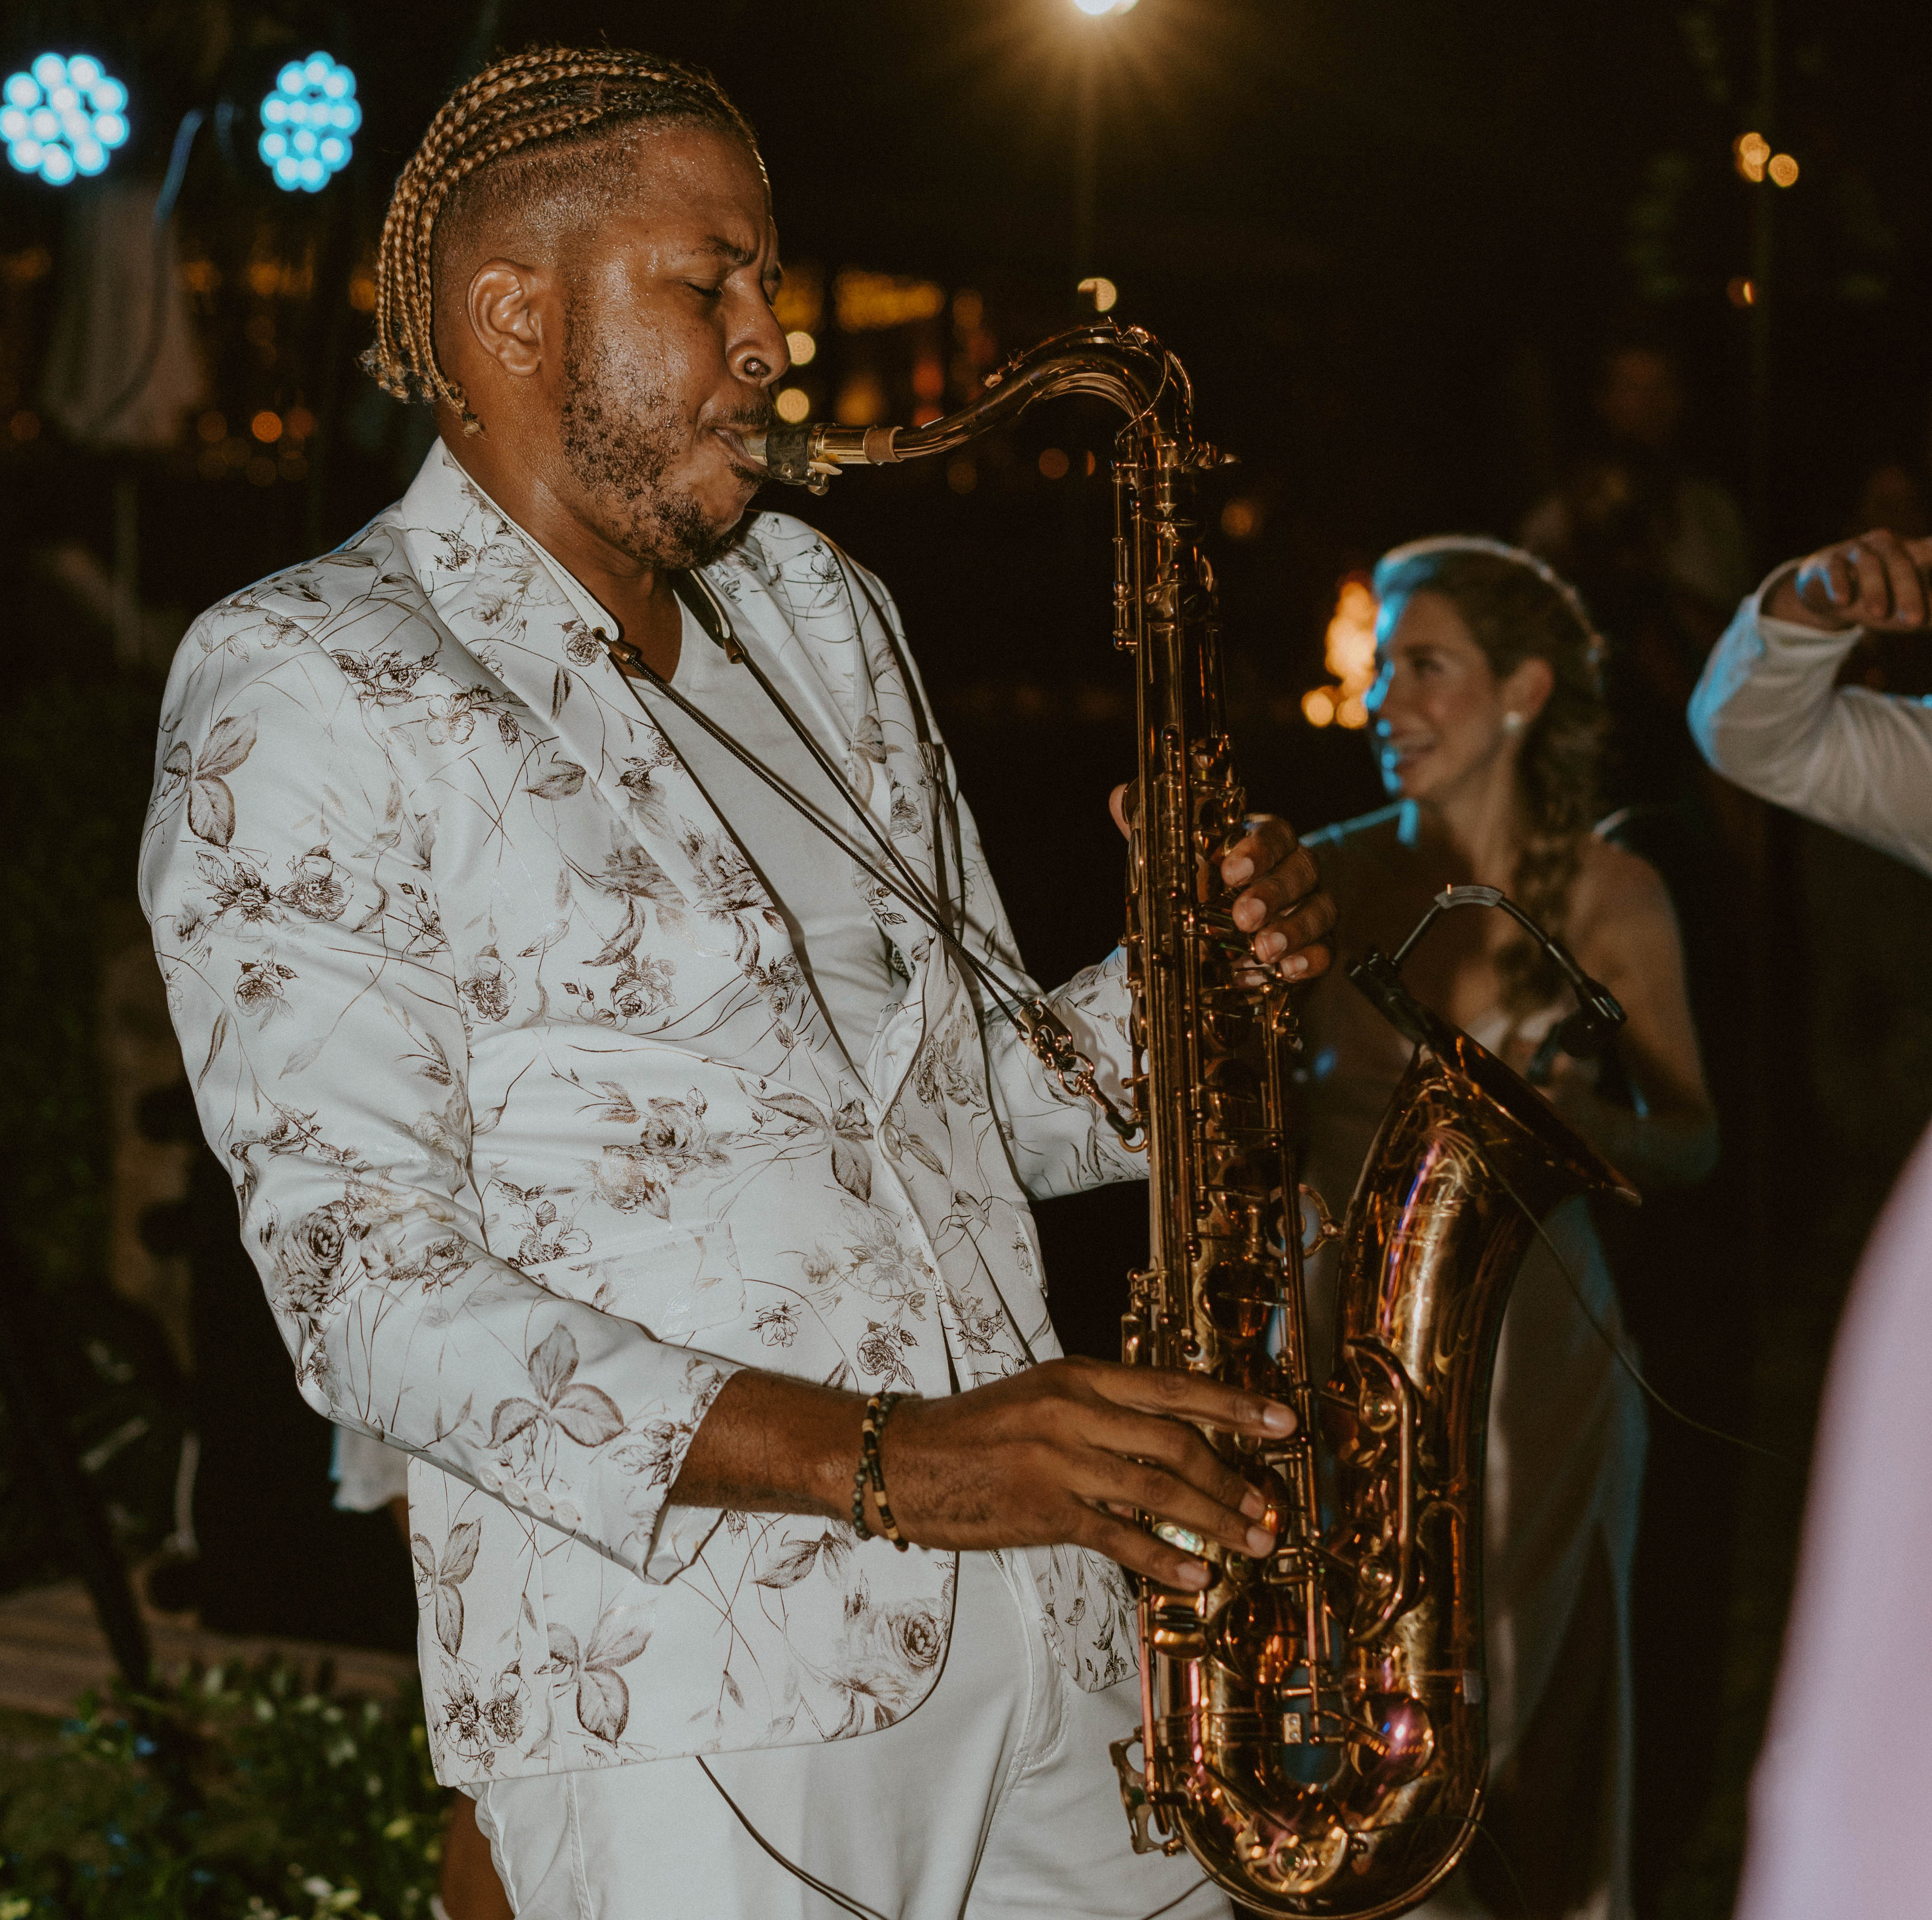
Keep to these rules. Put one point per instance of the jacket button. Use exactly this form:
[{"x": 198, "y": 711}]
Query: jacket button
[
  {"x": 567, "y": 1516},
  {"x": 539, "y": 1502},
  {"x": 489, "y": 1480}
]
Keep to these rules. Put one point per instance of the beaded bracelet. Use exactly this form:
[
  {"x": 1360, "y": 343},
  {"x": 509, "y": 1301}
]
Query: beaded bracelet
[{"x": 878, "y": 1408}]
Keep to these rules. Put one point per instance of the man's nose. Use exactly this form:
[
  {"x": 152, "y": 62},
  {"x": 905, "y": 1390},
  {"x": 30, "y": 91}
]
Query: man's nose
[{"x": 760, "y": 356}]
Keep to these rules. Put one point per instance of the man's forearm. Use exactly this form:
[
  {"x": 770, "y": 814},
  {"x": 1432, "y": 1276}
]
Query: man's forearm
[{"x": 771, "y": 1444}]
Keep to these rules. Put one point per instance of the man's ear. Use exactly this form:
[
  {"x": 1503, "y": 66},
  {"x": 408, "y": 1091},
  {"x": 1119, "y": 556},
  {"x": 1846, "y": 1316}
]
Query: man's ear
[
  {"x": 1528, "y": 689},
  {"x": 506, "y": 306}
]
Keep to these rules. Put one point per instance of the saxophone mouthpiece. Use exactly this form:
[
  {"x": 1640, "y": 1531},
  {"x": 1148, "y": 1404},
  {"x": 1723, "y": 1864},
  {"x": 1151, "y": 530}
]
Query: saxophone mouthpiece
[
  {"x": 795, "y": 455},
  {"x": 785, "y": 453}
]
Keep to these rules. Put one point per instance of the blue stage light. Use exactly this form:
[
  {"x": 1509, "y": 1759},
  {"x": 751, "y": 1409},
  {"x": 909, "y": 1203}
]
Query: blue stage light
[
  {"x": 308, "y": 122},
  {"x": 62, "y": 118}
]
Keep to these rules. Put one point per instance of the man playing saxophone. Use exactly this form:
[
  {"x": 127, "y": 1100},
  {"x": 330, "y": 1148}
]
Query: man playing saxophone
[{"x": 599, "y": 996}]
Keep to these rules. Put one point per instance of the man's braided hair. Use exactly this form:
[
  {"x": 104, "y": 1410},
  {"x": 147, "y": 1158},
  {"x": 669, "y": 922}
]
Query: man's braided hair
[{"x": 540, "y": 104}]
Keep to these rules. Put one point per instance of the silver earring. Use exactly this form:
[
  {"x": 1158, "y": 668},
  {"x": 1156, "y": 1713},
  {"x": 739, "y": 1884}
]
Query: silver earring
[{"x": 1513, "y": 723}]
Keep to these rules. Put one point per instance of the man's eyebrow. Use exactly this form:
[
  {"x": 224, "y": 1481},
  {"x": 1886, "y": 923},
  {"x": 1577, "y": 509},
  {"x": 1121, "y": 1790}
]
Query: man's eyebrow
[{"x": 729, "y": 249}]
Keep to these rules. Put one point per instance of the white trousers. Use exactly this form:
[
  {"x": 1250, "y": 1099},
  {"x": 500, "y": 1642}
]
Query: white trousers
[{"x": 995, "y": 1800}]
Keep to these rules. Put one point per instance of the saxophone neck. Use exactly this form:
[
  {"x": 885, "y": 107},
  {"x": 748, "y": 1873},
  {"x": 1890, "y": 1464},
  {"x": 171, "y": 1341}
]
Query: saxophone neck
[{"x": 1126, "y": 365}]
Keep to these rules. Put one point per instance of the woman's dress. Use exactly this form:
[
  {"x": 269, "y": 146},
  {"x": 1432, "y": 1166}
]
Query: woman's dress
[{"x": 1564, "y": 1457}]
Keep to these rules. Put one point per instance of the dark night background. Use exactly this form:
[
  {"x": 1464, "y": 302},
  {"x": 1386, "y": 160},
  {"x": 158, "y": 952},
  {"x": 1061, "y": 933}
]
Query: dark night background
[{"x": 1390, "y": 240}]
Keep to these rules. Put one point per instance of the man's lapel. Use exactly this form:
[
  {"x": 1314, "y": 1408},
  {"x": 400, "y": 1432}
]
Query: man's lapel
[
  {"x": 490, "y": 588},
  {"x": 787, "y": 586}
]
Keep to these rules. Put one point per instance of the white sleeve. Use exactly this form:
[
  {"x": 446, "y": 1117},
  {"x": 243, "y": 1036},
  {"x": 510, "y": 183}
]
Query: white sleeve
[
  {"x": 1766, "y": 715},
  {"x": 289, "y": 885}
]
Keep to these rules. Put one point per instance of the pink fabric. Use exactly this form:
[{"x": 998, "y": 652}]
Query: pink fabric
[{"x": 1842, "y": 1798}]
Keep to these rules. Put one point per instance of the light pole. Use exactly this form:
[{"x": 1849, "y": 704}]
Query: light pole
[{"x": 1086, "y": 133}]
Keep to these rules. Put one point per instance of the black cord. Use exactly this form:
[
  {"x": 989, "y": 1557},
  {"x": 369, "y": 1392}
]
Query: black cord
[
  {"x": 1609, "y": 1340},
  {"x": 845, "y": 1901},
  {"x": 910, "y": 894}
]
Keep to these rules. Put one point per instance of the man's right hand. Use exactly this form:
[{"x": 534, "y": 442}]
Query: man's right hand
[
  {"x": 1066, "y": 1451},
  {"x": 1877, "y": 580}
]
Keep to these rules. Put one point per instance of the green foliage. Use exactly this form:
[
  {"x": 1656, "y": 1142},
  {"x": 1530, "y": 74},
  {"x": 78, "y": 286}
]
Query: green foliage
[{"x": 240, "y": 1794}]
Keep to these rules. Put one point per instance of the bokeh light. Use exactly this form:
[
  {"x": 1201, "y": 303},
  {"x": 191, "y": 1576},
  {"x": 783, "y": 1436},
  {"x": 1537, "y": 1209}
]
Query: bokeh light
[
  {"x": 308, "y": 124},
  {"x": 1349, "y": 653},
  {"x": 1095, "y": 8},
  {"x": 803, "y": 348},
  {"x": 792, "y": 406},
  {"x": 1102, "y": 291},
  {"x": 63, "y": 118}
]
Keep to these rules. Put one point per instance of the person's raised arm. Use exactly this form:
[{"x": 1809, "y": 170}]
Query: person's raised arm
[{"x": 1768, "y": 714}]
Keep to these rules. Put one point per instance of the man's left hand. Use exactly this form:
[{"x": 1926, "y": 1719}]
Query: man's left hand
[{"x": 1281, "y": 905}]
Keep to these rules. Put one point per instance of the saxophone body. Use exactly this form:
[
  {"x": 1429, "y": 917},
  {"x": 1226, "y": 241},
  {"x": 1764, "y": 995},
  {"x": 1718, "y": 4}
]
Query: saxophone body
[{"x": 1313, "y": 1726}]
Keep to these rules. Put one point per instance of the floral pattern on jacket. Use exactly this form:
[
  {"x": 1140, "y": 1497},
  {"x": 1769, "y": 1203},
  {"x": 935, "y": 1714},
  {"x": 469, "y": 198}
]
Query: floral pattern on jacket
[{"x": 538, "y": 1134}]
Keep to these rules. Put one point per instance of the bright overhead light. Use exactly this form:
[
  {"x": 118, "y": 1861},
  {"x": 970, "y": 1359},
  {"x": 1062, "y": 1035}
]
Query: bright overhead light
[
  {"x": 63, "y": 118},
  {"x": 1095, "y": 8},
  {"x": 308, "y": 124}
]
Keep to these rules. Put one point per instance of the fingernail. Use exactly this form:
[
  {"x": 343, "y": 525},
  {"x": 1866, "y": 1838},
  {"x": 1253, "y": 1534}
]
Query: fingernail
[
  {"x": 1192, "y": 1573},
  {"x": 1260, "y": 1540},
  {"x": 1269, "y": 945},
  {"x": 1248, "y": 912},
  {"x": 1277, "y": 1418},
  {"x": 1254, "y": 1503},
  {"x": 1295, "y": 968},
  {"x": 1236, "y": 870}
]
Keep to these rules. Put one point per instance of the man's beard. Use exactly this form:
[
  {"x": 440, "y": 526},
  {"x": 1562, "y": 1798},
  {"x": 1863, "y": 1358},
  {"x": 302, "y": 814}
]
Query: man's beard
[{"x": 621, "y": 430}]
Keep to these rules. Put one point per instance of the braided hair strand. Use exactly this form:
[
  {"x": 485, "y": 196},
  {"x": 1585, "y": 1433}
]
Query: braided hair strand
[{"x": 544, "y": 101}]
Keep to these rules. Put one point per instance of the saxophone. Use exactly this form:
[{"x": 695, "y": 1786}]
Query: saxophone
[{"x": 1313, "y": 1728}]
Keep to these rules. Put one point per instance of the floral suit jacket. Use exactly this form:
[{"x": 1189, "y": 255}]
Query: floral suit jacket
[{"x": 538, "y": 1135}]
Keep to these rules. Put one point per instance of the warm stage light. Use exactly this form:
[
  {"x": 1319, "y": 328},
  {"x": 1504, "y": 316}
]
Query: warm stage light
[
  {"x": 1349, "y": 652},
  {"x": 308, "y": 123},
  {"x": 63, "y": 118},
  {"x": 1749, "y": 152},
  {"x": 1782, "y": 170},
  {"x": 1095, "y": 8},
  {"x": 1102, "y": 291},
  {"x": 803, "y": 348},
  {"x": 792, "y": 406}
]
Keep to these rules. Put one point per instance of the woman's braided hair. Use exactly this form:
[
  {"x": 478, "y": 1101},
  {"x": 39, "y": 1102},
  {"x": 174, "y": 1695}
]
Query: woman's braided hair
[
  {"x": 1517, "y": 608},
  {"x": 533, "y": 103}
]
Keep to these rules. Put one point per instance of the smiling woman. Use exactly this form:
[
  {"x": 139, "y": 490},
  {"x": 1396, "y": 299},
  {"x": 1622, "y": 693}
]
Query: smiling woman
[{"x": 1488, "y": 725}]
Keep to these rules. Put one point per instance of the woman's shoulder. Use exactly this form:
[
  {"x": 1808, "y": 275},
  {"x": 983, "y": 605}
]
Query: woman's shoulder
[{"x": 1616, "y": 893}]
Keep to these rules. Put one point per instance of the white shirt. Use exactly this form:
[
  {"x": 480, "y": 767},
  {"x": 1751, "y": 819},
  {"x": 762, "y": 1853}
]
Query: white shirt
[
  {"x": 1766, "y": 715},
  {"x": 815, "y": 886}
]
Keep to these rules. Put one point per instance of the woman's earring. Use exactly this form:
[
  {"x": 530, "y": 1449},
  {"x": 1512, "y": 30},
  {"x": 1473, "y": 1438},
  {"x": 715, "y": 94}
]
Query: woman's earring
[{"x": 1513, "y": 723}]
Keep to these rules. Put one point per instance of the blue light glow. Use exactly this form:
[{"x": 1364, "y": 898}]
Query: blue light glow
[
  {"x": 62, "y": 118},
  {"x": 308, "y": 123}
]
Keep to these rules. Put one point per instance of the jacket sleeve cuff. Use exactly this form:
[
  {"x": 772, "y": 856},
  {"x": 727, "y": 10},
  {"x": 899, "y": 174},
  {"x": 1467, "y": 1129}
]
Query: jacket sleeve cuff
[{"x": 1060, "y": 1141}]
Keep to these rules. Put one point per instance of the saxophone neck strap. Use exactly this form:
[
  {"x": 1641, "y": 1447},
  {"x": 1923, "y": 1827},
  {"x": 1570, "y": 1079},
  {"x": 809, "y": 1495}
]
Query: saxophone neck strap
[{"x": 1045, "y": 1034}]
